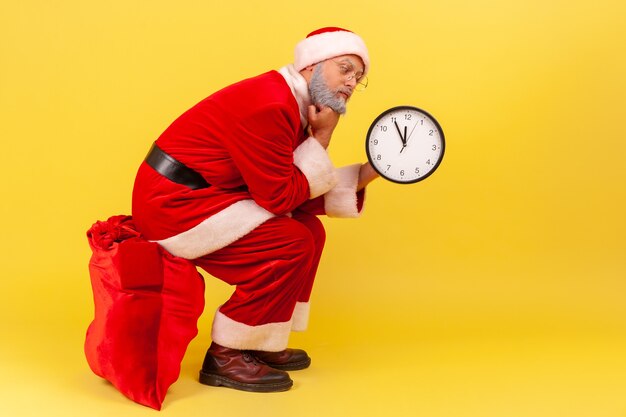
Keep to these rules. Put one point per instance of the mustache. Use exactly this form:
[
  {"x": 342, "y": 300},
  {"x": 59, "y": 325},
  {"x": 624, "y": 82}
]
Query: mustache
[{"x": 345, "y": 90}]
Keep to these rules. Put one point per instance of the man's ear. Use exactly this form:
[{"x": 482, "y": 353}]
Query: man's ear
[{"x": 307, "y": 72}]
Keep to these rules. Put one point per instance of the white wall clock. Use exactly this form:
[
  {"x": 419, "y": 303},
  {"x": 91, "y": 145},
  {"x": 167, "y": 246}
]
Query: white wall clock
[{"x": 405, "y": 144}]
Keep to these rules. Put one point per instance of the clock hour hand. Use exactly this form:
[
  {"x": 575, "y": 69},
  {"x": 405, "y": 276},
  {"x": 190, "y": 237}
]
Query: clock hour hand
[{"x": 402, "y": 138}]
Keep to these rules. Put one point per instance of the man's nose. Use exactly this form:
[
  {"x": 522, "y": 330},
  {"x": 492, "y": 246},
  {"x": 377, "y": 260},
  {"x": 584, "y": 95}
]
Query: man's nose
[{"x": 351, "y": 82}]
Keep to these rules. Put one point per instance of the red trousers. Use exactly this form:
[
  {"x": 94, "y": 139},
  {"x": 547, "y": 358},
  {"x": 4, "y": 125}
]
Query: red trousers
[{"x": 273, "y": 268}]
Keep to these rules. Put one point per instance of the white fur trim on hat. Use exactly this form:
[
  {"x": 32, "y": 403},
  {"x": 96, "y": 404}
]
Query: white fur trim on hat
[{"x": 322, "y": 46}]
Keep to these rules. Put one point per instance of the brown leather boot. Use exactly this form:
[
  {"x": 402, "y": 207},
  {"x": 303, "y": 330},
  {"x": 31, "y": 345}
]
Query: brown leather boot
[
  {"x": 286, "y": 360},
  {"x": 241, "y": 370}
]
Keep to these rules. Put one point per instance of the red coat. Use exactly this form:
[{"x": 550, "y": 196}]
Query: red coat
[{"x": 247, "y": 140}]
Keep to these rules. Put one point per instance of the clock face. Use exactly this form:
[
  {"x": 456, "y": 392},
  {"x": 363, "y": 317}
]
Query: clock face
[{"x": 405, "y": 144}]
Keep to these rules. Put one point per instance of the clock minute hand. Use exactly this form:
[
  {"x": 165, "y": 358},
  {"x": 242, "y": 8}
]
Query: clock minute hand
[
  {"x": 414, "y": 126},
  {"x": 404, "y": 142}
]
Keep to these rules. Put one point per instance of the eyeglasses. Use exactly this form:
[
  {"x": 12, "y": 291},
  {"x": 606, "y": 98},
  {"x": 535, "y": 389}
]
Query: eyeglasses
[{"x": 347, "y": 70}]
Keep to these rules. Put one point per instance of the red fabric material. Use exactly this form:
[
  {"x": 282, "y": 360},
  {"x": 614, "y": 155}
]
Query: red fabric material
[
  {"x": 147, "y": 303},
  {"x": 242, "y": 135},
  {"x": 273, "y": 267},
  {"x": 327, "y": 29}
]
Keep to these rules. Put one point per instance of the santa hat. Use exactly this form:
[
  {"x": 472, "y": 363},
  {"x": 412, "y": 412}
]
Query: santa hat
[{"x": 329, "y": 42}]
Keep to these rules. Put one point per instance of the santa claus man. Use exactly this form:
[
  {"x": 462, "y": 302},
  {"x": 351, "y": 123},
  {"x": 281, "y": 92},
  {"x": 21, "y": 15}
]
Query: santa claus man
[{"x": 235, "y": 185}]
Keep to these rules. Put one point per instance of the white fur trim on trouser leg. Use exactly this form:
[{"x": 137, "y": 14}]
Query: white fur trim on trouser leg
[
  {"x": 218, "y": 231},
  {"x": 300, "y": 318},
  {"x": 271, "y": 337},
  {"x": 341, "y": 200},
  {"x": 312, "y": 159}
]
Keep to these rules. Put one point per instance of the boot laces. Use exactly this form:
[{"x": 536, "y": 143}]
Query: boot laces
[{"x": 249, "y": 356}]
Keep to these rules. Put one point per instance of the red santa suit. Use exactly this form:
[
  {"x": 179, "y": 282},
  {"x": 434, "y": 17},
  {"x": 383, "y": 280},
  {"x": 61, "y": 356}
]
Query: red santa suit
[{"x": 255, "y": 226}]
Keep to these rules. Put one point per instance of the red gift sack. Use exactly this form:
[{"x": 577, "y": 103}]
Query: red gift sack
[{"x": 147, "y": 305}]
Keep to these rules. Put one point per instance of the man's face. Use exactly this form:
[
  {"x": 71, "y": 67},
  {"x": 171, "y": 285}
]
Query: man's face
[{"x": 334, "y": 80}]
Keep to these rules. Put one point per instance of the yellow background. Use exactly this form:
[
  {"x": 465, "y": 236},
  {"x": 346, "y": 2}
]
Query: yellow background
[{"x": 493, "y": 288}]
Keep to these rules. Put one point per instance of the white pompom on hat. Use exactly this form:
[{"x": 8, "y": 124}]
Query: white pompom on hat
[{"x": 329, "y": 42}]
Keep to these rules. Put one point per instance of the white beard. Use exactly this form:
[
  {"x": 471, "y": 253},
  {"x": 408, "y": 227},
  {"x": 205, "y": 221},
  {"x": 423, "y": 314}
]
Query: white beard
[{"x": 321, "y": 95}]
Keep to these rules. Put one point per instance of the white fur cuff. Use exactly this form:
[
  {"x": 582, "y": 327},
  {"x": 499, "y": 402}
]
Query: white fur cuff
[
  {"x": 341, "y": 201},
  {"x": 312, "y": 159},
  {"x": 271, "y": 337}
]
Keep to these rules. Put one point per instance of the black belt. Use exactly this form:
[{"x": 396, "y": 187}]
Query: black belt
[{"x": 174, "y": 170}]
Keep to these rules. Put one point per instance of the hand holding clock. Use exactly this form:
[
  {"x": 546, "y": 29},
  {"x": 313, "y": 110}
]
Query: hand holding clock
[
  {"x": 367, "y": 174},
  {"x": 417, "y": 163}
]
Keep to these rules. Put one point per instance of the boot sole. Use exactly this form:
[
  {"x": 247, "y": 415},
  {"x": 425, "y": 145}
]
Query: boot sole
[
  {"x": 220, "y": 381},
  {"x": 294, "y": 366}
]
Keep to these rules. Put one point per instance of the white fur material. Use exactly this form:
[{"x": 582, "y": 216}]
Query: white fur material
[
  {"x": 271, "y": 337},
  {"x": 312, "y": 159},
  {"x": 300, "y": 90},
  {"x": 318, "y": 48},
  {"x": 300, "y": 318},
  {"x": 217, "y": 231},
  {"x": 341, "y": 200}
]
